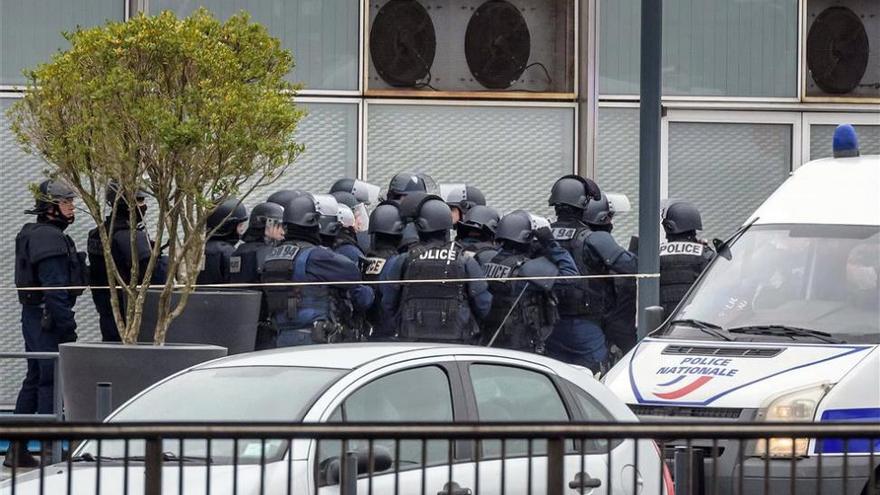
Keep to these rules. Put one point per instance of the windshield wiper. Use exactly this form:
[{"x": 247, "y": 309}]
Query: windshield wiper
[
  {"x": 704, "y": 326},
  {"x": 88, "y": 457},
  {"x": 786, "y": 331}
]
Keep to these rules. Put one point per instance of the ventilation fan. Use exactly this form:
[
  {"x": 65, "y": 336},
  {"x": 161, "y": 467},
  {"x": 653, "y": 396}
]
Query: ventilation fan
[
  {"x": 497, "y": 44},
  {"x": 837, "y": 50},
  {"x": 403, "y": 43}
]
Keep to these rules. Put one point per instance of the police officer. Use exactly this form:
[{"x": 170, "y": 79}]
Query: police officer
[
  {"x": 524, "y": 313},
  {"x": 45, "y": 257},
  {"x": 364, "y": 195},
  {"x": 435, "y": 312},
  {"x": 315, "y": 313},
  {"x": 619, "y": 294},
  {"x": 386, "y": 231},
  {"x": 475, "y": 233},
  {"x": 578, "y": 337},
  {"x": 461, "y": 198},
  {"x": 265, "y": 230},
  {"x": 225, "y": 226},
  {"x": 682, "y": 257},
  {"x": 119, "y": 230},
  {"x": 351, "y": 242}
]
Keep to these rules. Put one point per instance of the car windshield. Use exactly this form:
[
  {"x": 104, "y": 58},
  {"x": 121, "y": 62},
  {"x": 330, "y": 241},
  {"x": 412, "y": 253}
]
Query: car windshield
[
  {"x": 236, "y": 394},
  {"x": 785, "y": 283}
]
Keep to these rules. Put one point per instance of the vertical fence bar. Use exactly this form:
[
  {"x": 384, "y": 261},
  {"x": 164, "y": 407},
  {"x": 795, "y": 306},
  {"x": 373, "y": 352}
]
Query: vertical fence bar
[
  {"x": 767, "y": 466},
  {"x": 715, "y": 457},
  {"x": 636, "y": 468},
  {"x": 872, "y": 473},
  {"x": 208, "y": 454},
  {"x": 349, "y": 470},
  {"x": 449, "y": 466},
  {"x": 845, "y": 464},
  {"x": 424, "y": 455},
  {"x": 503, "y": 466},
  {"x": 819, "y": 469},
  {"x": 57, "y": 408},
  {"x": 555, "y": 466},
  {"x": 530, "y": 451},
  {"x": 739, "y": 463},
  {"x": 793, "y": 467},
  {"x": 289, "y": 466},
  {"x": 153, "y": 466},
  {"x": 70, "y": 471},
  {"x": 396, "y": 466},
  {"x": 608, "y": 464},
  {"x": 234, "y": 467},
  {"x": 371, "y": 461},
  {"x": 478, "y": 455},
  {"x": 316, "y": 475},
  {"x": 263, "y": 466},
  {"x": 661, "y": 478},
  {"x": 125, "y": 450},
  {"x": 98, "y": 468},
  {"x": 180, "y": 449},
  {"x": 42, "y": 467}
]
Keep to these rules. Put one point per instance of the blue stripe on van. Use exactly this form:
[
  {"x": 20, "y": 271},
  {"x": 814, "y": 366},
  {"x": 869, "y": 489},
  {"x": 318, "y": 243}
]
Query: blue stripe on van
[{"x": 855, "y": 446}]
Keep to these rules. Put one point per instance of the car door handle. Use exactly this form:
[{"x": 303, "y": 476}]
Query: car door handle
[
  {"x": 452, "y": 488},
  {"x": 583, "y": 481}
]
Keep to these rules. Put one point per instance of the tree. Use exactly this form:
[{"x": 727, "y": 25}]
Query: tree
[{"x": 190, "y": 111}]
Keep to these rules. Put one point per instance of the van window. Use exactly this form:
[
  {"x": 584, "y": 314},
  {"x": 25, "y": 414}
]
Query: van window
[{"x": 782, "y": 279}]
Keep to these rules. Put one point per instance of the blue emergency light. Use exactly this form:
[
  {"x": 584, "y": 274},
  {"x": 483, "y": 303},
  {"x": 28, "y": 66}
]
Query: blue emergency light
[{"x": 846, "y": 142}]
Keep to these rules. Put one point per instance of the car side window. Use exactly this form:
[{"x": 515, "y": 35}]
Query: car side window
[
  {"x": 594, "y": 412},
  {"x": 512, "y": 394},
  {"x": 418, "y": 394}
]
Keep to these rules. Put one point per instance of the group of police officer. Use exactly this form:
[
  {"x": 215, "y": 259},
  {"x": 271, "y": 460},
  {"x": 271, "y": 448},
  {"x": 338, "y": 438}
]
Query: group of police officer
[{"x": 438, "y": 267}]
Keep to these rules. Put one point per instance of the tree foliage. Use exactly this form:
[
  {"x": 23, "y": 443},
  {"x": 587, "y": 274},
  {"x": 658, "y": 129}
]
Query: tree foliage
[{"x": 192, "y": 111}]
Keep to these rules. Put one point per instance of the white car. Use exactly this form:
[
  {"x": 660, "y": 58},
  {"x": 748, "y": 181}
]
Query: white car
[{"x": 369, "y": 383}]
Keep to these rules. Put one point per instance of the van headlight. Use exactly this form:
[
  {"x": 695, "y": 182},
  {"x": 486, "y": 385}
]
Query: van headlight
[{"x": 795, "y": 406}]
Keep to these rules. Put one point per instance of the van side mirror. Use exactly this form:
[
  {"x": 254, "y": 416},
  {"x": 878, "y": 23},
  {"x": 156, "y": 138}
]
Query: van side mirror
[
  {"x": 331, "y": 469},
  {"x": 654, "y": 317},
  {"x": 721, "y": 248}
]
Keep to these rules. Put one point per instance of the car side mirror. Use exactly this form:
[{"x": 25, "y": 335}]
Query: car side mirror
[
  {"x": 331, "y": 468},
  {"x": 721, "y": 248},
  {"x": 654, "y": 316}
]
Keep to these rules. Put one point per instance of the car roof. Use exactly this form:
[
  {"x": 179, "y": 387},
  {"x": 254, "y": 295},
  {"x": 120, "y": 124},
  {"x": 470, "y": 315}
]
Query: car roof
[
  {"x": 354, "y": 355},
  {"x": 831, "y": 191}
]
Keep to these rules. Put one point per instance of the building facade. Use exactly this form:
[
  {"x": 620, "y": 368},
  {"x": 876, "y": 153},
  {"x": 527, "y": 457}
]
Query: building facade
[{"x": 741, "y": 106}]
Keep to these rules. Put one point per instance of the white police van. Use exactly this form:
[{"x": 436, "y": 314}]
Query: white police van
[{"x": 782, "y": 326}]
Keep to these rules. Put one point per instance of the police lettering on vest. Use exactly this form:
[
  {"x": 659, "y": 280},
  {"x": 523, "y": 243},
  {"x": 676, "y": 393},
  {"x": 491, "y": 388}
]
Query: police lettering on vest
[
  {"x": 373, "y": 266},
  {"x": 494, "y": 270},
  {"x": 445, "y": 254},
  {"x": 676, "y": 248}
]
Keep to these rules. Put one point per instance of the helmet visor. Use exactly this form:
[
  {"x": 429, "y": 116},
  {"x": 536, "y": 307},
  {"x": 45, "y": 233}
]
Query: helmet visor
[
  {"x": 361, "y": 218},
  {"x": 453, "y": 193},
  {"x": 538, "y": 222},
  {"x": 365, "y": 192},
  {"x": 618, "y": 203}
]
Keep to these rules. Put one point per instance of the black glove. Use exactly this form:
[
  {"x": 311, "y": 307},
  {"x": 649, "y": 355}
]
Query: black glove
[{"x": 545, "y": 237}]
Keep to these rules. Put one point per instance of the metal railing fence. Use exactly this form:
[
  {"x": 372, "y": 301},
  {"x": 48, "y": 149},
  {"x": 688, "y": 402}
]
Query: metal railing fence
[{"x": 456, "y": 459}]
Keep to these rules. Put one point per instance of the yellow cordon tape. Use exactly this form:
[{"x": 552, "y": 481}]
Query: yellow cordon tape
[{"x": 348, "y": 282}]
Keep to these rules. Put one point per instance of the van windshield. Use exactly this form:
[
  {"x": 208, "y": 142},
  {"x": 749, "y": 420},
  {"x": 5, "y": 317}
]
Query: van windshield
[{"x": 783, "y": 283}]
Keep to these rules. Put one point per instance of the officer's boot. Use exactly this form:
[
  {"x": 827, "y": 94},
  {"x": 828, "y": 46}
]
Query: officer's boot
[{"x": 18, "y": 455}]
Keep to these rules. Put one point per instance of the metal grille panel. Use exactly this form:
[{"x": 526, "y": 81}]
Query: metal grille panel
[
  {"x": 617, "y": 170},
  {"x": 513, "y": 154},
  {"x": 727, "y": 170}
]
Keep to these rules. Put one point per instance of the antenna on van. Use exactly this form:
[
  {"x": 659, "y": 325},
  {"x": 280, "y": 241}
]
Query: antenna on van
[{"x": 722, "y": 248}]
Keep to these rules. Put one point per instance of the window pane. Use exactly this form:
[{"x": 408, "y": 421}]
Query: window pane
[
  {"x": 513, "y": 154},
  {"x": 727, "y": 170},
  {"x": 617, "y": 170},
  {"x": 30, "y": 31},
  {"x": 322, "y": 34},
  {"x": 710, "y": 47},
  {"x": 509, "y": 394},
  {"x": 420, "y": 394},
  {"x": 821, "y": 136}
]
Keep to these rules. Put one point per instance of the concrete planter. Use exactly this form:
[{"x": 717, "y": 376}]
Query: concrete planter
[
  {"x": 130, "y": 368},
  {"x": 223, "y": 317}
]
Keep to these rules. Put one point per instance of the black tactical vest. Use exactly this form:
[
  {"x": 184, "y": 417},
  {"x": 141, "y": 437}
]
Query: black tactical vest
[
  {"x": 580, "y": 298},
  {"x": 217, "y": 254},
  {"x": 432, "y": 311},
  {"x": 246, "y": 263},
  {"x": 681, "y": 263},
  {"x": 278, "y": 267},
  {"x": 533, "y": 316},
  {"x": 40, "y": 241}
]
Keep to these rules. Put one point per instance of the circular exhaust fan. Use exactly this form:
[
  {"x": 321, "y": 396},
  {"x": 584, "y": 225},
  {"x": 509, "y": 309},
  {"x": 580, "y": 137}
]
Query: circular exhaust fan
[
  {"x": 497, "y": 44},
  {"x": 837, "y": 50},
  {"x": 402, "y": 43}
]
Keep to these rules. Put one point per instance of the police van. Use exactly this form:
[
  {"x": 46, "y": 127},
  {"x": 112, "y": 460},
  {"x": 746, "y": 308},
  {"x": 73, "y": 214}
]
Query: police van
[{"x": 782, "y": 326}]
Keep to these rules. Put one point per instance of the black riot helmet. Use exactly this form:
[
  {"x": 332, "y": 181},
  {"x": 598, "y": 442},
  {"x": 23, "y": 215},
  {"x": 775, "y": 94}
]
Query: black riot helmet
[
  {"x": 301, "y": 212},
  {"x": 284, "y": 196},
  {"x": 462, "y": 196},
  {"x": 433, "y": 215},
  {"x": 226, "y": 217},
  {"x": 263, "y": 214},
  {"x": 480, "y": 217},
  {"x": 48, "y": 194},
  {"x": 385, "y": 219},
  {"x": 574, "y": 191},
  {"x": 112, "y": 192},
  {"x": 680, "y": 217},
  {"x": 599, "y": 212},
  {"x": 516, "y": 226},
  {"x": 345, "y": 198},
  {"x": 405, "y": 183}
]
